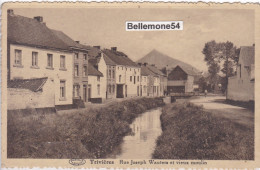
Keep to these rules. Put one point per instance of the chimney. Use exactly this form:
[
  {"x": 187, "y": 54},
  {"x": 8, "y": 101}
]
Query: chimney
[
  {"x": 145, "y": 64},
  {"x": 10, "y": 11},
  {"x": 113, "y": 48},
  {"x": 97, "y": 46},
  {"x": 39, "y": 18},
  {"x": 77, "y": 42}
]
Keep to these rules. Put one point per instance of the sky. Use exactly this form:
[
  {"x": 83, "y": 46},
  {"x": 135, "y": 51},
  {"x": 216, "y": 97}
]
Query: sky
[{"x": 106, "y": 27}]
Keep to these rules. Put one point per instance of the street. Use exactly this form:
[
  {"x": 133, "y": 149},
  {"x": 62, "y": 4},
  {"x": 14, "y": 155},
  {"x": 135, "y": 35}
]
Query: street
[{"x": 216, "y": 105}]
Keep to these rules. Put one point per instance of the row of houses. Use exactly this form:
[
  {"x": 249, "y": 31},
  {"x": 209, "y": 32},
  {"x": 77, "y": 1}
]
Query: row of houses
[{"x": 46, "y": 68}]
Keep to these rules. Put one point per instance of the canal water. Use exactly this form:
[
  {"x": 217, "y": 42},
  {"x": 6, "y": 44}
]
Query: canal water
[{"x": 141, "y": 143}]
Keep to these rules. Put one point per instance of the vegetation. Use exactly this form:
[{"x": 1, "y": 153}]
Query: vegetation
[
  {"x": 189, "y": 132},
  {"x": 90, "y": 134},
  {"x": 222, "y": 57}
]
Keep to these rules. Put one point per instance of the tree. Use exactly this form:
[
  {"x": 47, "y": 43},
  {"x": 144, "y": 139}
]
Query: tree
[{"x": 222, "y": 57}]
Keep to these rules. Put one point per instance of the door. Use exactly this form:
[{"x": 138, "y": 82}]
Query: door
[
  {"x": 89, "y": 92},
  {"x": 85, "y": 93},
  {"x": 141, "y": 90},
  {"x": 137, "y": 90}
]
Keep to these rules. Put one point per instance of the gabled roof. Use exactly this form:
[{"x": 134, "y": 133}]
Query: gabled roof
[
  {"x": 68, "y": 41},
  {"x": 119, "y": 58},
  {"x": 92, "y": 71},
  {"x": 145, "y": 71},
  {"x": 155, "y": 70},
  {"x": 94, "y": 55},
  {"x": 34, "y": 85},
  {"x": 247, "y": 55},
  {"x": 187, "y": 71},
  {"x": 30, "y": 32}
]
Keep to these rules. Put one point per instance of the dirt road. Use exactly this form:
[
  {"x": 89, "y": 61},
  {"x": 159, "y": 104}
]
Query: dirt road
[{"x": 216, "y": 105}]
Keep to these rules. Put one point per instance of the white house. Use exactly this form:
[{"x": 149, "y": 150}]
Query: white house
[
  {"x": 128, "y": 74},
  {"x": 107, "y": 67},
  {"x": 96, "y": 81},
  {"x": 241, "y": 87},
  {"x": 35, "y": 52}
]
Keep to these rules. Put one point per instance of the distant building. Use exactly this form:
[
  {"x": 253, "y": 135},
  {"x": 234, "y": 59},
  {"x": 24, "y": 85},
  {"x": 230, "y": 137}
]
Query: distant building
[
  {"x": 160, "y": 81},
  {"x": 180, "y": 80},
  {"x": 241, "y": 87},
  {"x": 34, "y": 52},
  {"x": 95, "y": 92},
  {"x": 147, "y": 81},
  {"x": 127, "y": 74},
  {"x": 107, "y": 67}
]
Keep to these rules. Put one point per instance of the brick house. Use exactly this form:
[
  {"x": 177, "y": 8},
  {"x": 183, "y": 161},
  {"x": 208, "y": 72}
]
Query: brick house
[
  {"x": 241, "y": 87},
  {"x": 34, "y": 52}
]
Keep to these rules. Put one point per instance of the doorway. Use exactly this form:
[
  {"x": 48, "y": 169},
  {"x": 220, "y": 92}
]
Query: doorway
[
  {"x": 85, "y": 93},
  {"x": 89, "y": 92}
]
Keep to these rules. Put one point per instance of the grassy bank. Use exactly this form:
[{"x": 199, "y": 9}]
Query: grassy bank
[
  {"x": 189, "y": 132},
  {"x": 90, "y": 134}
]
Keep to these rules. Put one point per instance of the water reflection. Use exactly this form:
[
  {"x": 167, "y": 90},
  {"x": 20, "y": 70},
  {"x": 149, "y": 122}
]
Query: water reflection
[{"x": 141, "y": 143}]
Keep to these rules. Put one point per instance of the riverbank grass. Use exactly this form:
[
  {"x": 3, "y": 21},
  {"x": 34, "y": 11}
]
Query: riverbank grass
[
  {"x": 93, "y": 133},
  {"x": 189, "y": 132}
]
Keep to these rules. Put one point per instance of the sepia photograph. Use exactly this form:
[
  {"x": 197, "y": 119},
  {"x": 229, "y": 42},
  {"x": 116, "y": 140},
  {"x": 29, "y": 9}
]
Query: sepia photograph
[{"x": 123, "y": 85}]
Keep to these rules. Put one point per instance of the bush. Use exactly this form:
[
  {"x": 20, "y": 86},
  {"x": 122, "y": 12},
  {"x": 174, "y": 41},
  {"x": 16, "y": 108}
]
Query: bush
[
  {"x": 189, "y": 132},
  {"x": 92, "y": 133}
]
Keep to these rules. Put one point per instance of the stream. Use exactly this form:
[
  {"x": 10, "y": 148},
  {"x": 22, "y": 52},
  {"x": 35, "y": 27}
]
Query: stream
[{"x": 142, "y": 142}]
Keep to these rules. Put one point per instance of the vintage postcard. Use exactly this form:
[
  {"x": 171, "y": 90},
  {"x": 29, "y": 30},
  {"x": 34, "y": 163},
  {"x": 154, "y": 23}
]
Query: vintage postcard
[{"x": 130, "y": 85}]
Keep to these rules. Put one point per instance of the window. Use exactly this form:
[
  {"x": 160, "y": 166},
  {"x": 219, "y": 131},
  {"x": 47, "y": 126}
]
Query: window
[
  {"x": 50, "y": 61},
  {"x": 18, "y": 57},
  {"x": 76, "y": 70},
  {"x": 62, "y": 89},
  {"x": 144, "y": 79},
  {"x": 76, "y": 56},
  {"x": 122, "y": 67},
  {"x": 62, "y": 62},
  {"x": 144, "y": 89},
  {"x": 134, "y": 79},
  {"x": 120, "y": 78},
  {"x": 118, "y": 68},
  {"x": 76, "y": 90},
  {"x": 240, "y": 70},
  {"x": 98, "y": 78},
  {"x": 109, "y": 88},
  {"x": 130, "y": 78},
  {"x": 113, "y": 74},
  {"x": 85, "y": 56},
  {"x": 34, "y": 59},
  {"x": 137, "y": 78},
  {"x": 109, "y": 74},
  {"x": 85, "y": 71},
  {"x": 98, "y": 89}
]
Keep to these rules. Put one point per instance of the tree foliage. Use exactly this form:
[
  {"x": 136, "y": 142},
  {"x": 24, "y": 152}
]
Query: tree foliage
[{"x": 222, "y": 56}]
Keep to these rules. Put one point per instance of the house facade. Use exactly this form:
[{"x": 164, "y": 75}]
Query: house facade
[
  {"x": 107, "y": 67},
  {"x": 35, "y": 52},
  {"x": 127, "y": 73},
  {"x": 159, "y": 82},
  {"x": 241, "y": 87},
  {"x": 180, "y": 80},
  {"x": 80, "y": 67},
  {"x": 96, "y": 81}
]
